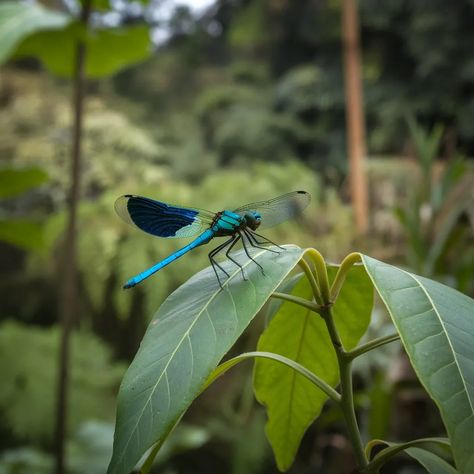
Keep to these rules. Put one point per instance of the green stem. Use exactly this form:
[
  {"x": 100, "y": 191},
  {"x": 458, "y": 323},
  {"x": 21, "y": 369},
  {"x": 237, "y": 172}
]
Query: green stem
[
  {"x": 373, "y": 344},
  {"x": 347, "y": 394},
  {"x": 297, "y": 300},
  {"x": 228, "y": 364},
  {"x": 341, "y": 274}
]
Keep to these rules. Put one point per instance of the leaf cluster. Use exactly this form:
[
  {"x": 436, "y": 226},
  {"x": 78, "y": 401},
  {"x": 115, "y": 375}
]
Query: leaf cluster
[{"x": 304, "y": 356}]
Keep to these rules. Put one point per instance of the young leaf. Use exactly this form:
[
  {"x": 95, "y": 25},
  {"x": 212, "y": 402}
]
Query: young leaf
[
  {"x": 430, "y": 452},
  {"x": 436, "y": 326},
  {"x": 185, "y": 341},
  {"x": 292, "y": 401}
]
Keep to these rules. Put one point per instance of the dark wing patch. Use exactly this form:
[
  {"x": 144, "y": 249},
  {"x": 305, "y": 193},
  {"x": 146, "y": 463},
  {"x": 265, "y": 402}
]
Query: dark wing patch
[{"x": 161, "y": 219}]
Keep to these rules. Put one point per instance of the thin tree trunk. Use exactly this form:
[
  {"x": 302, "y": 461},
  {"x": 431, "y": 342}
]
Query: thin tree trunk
[
  {"x": 355, "y": 115},
  {"x": 69, "y": 302}
]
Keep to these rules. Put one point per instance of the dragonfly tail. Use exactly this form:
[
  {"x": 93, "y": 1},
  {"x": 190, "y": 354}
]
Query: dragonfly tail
[{"x": 204, "y": 238}]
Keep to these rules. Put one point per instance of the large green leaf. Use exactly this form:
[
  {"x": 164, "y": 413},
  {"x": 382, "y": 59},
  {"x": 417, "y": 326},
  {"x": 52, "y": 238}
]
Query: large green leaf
[
  {"x": 184, "y": 342},
  {"x": 19, "y": 19},
  {"x": 436, "y": 326},
  {"x": 14, "y": 181},
  {"x": 292, "y": 401},
  {"x": 108, "y": 50}
]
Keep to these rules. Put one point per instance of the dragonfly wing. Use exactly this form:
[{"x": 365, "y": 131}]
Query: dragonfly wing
[
  {"x": 277, "y": 210},
  {"x": 162, "y": 219}
]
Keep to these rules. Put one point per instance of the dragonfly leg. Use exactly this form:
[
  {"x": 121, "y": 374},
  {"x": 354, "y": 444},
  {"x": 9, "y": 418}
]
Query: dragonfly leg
[
  {"x": 248, "y": 255},
  {"x": 215, "y": 264},
  {"x": 254, "y": 242},
  {"x": 265, "y": 240},
  {"x": 236, "y": 239}
]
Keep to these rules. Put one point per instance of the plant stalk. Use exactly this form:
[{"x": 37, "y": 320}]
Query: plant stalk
[
  {"x": 346, "y": 390},
  {"x": 373, "y": 344},
  {"x": 297, "y": 300},
  {"x": 68, "y": 304}
]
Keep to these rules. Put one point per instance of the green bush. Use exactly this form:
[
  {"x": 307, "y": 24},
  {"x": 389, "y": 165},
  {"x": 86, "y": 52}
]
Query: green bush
[{"x": 28, "y": 357}]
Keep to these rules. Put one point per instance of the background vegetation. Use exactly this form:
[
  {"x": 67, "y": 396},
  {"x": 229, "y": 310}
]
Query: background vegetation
[{"x": 241, "y": 101}]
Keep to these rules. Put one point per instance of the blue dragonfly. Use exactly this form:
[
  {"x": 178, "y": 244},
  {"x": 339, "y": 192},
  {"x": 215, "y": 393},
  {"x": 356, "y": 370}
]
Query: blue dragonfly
[{"x": 166, "y": 220}]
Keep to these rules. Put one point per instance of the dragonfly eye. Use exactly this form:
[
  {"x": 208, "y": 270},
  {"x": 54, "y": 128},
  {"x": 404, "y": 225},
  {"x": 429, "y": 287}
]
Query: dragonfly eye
[{"x": 253, "y": 219}]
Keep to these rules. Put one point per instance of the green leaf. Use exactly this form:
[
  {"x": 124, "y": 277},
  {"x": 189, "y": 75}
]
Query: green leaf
[
  {"x": 18, "y": 20},
  {"x": 108, "y": 50},
  {"x": 429, "y": 452},
  {"x": 14, "y": 181},
  {"x": 436, "y": 326},
  {"x": 22, "y": 233},
  {"x": 297, "y": 333},
  {"x": 194, "y": 328},
  {"x": 431, "y": 462}
]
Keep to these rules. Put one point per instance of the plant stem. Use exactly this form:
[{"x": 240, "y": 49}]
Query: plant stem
[
  {"x": 68, "y": 298},
  {"x": 347, "y": 395},
  {"x": 373, "y": 344},
  {"x": 297, "y": 300}
]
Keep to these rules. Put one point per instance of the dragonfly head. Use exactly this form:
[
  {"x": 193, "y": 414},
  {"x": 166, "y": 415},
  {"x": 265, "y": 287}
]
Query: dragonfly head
[{"x": 253, "y": 219}]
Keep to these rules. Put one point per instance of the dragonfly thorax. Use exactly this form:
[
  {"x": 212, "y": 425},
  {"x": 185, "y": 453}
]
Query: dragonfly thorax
[{"x": 229, "y": 223}]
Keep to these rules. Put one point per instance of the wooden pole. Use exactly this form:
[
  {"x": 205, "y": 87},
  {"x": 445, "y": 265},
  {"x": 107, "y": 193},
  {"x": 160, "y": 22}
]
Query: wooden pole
[{"x": 356, "y": 147}]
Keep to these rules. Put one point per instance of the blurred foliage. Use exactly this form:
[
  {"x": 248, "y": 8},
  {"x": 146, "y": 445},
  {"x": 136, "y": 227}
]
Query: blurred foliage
[
  {"x": 17, "y": 181},
  {"x": 438, "y": 219},
  {"x": 35, "y": 129},
  {"x": 283, "y": 81},
  {"x": 28, "y": 358},
  {"x": 90, "y": 447},
  {"x": 15, "y": 229}
]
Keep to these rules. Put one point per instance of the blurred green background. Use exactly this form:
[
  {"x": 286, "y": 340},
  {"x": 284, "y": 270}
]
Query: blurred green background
[{"x": 214, "y": 104}]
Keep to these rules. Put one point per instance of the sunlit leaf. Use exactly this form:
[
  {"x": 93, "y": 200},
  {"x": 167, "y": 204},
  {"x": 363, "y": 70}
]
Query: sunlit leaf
[
  {"x": 436, "y": 326},
  {"x": 292, "y": 401},
  {"x": 185, "y": 341}
]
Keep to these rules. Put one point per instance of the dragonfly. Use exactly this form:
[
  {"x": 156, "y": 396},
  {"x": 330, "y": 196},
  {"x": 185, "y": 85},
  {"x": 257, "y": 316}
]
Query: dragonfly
[{"x": 171, "y": 221}]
